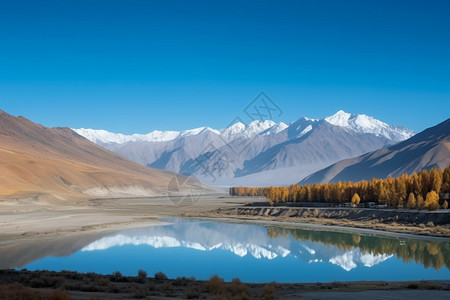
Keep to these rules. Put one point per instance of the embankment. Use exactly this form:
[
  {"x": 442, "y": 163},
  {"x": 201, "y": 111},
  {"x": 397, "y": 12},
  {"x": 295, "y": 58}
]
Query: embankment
[{"x": 434, "y": 223}]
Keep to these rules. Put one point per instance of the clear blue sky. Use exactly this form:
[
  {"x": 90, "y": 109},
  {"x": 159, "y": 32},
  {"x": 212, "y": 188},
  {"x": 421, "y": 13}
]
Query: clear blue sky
[{"x": 135, "y": 66}]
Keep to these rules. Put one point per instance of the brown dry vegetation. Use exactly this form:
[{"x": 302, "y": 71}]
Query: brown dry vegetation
[{"x": 73, "y": 285}]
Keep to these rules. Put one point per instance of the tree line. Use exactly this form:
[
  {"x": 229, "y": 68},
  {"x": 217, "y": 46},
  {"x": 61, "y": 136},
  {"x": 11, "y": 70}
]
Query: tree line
[{"x": 417, "y": 191}]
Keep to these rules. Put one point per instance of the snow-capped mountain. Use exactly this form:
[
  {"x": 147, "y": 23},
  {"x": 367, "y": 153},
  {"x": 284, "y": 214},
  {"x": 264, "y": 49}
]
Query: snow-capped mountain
[
  {"x": 366, "y": 124},
  {"x": 425, "y": 150},
  {"x": 237, "y": 130},
  {"x": 106, "y": 137},
  {"x": 259, "y": 153}
]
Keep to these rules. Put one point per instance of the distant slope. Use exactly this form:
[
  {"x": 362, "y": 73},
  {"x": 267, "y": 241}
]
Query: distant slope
[
  {"x": 56, "y": 163},
  {"x": 428, "y": 149}
]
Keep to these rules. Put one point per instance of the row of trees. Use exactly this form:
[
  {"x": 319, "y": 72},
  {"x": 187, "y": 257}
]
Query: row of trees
[{"x": 417, "y": 191}]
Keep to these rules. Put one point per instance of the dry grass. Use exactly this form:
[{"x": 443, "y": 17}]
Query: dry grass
[
  {"x": 17, "y": 291},
  {"x": 215, "y": 285},
  {"x": 268, "y": 291},
  {"x": 58, "y": 295},
  {"x": 86, "y": 286}
]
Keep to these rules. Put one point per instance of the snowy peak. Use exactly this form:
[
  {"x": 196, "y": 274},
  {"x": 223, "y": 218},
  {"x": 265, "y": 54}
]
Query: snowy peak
[
  {"x": 366, "y": 124},
  {"x": 240, "y": 130},
  {"x": 358, "y": 123},
  {"x": 106, "y": 137},
  {"x": 341, "y": 118},
  {"x": 277, "y": 128},
  {"x": 237, "y": 130}
]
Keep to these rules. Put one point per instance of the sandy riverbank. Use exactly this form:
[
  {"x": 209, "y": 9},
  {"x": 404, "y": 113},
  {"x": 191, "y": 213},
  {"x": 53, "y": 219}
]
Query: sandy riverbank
[
  {"x": 32, "y": 221},
  {"x": 40, "y": 221}
]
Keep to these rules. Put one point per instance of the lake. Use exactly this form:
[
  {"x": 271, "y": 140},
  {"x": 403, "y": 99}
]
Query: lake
[{"x": 253, "y": 253}]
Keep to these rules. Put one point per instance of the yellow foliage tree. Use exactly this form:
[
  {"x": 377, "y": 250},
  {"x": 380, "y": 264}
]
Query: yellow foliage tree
[
  {"x": 391, "y": 191},
  {"x": 432, "y": 201},
  {"x": 420, "y": 204},
  {"x": 411, "y": 204},
  {"x": 355, "y": 199}
]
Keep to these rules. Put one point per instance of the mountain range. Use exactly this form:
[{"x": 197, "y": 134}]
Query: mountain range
[
  {"x": 425, "y": 150},
  {"x": 256, "y": 154},
  {"x": 57, "y": 164}
]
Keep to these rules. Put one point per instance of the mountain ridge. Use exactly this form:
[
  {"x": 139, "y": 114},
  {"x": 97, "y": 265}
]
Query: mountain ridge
[
  {"x": 57, "y": 164},
  {"x": 425, "y": 150},
  {"x": 341, "y": 118},
  {"x": 242, "y": 153}
]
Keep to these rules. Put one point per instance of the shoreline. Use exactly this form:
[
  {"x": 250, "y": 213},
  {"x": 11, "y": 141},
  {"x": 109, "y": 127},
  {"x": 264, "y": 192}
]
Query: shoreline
[
  {"x": 337, "y": 218},
  {"x": 111, "y": 215},
  {"x": 320, "y": 227},
  {"x": 74, "y": 285}
]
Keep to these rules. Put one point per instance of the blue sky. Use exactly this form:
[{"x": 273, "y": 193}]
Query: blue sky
[{"x": 135, "y": 66}]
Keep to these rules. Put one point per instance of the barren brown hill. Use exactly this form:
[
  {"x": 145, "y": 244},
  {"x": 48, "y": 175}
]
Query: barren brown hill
[{"x": 56, "y": 163}]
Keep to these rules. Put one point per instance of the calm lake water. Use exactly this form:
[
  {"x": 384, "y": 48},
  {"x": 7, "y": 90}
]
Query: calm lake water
[{"x": 254, "y": 253}]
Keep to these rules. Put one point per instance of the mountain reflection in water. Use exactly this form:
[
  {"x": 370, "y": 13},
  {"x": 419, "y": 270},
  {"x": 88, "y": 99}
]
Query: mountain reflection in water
[
  {"x": 345, "y": 250},
  {"x": 253, "y": 253}
]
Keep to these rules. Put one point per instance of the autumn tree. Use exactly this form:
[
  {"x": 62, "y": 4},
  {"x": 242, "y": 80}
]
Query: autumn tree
[
  {"x": 420, "y": 203},
  {"x": 390, "y": 191},
  {"x": 284, "y": 194},
  {"x": 411, "y": 204},
  {"x": 432, "y": 201},
  {"x": 445, "y": 205},
  {"x": 355, "y": 199},
  {"x": 436, "y": 180},
  {"x": 446, "y": 181}
]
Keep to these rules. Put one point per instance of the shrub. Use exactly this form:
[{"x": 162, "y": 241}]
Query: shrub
[
  {"x": 167, "y": 287},
  {"x": 215, "y": 284},
  {"x": 192, "y": 292},
  {"x": 268, "y": 291},
  {"x": 181, "y": 281},
  {"x": 117, "y": 274},
  {"x": 102, "y": 281},
  {"x": 140, "y": 292},
  {"x": 142, "y": 274},
  {"x": 160, "y": 276},
  {"x": 237, "y": 288}
]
